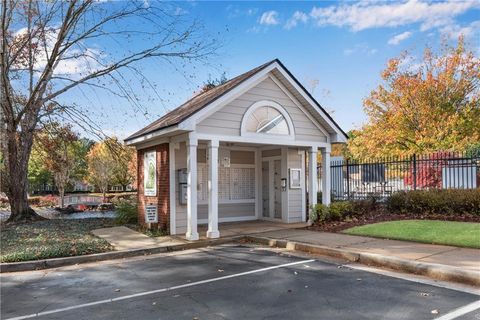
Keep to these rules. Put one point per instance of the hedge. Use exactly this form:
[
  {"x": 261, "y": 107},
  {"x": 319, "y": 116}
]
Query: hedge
[
  {"x": 418, "y": 202},
  {"x": 449, "y": 201}
]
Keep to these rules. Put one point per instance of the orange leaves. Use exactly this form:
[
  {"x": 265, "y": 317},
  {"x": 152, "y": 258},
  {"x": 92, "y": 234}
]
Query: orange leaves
[{"x": 423, "y": 106}]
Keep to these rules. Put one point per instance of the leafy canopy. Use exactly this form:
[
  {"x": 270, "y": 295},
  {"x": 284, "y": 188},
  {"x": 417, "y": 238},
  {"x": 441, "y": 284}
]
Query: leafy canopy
[{"x": 423, "y": 108}]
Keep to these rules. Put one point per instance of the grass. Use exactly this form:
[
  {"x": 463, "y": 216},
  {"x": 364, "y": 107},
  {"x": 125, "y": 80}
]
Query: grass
[
  {"x": 461, "y": 234},
  {"x": 51, "y": 239}
]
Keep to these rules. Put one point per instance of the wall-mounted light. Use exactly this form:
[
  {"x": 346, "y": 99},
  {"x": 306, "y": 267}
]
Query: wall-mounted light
[{"x": 284, "y": 184}]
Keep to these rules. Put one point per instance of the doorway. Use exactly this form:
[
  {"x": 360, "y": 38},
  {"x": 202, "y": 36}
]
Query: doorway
[{"x": 271, "y": 188}]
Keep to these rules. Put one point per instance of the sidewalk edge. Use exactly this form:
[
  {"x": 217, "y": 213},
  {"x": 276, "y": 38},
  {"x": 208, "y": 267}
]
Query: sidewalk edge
[
  {"x": 431, "y": 270},
  {"x": 112, "y": 255}
]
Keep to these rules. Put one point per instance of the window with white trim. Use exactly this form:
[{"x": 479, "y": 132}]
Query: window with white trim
[{"x": 267, "y": 120}]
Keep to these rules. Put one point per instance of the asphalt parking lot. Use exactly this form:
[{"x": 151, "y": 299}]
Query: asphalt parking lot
[{"x": 226, "y": 282}]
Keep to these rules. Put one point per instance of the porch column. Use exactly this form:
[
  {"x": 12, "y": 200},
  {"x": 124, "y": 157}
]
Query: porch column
[
  {"x": 192, "y": 233},
  {"x": 213, "y": 190},
  {"x": 312, "y": 177},
  {"x": 326, "y": 176}
]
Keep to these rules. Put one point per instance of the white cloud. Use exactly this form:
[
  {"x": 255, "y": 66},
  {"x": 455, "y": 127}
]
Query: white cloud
[
  {"x": 361, "y": 48},
  {"x": 399, "y": 38},
  {"x": 454, "y": 31},
  {"x": 367, "y": 14},
  {"x": 75, "y": 62},
  {"x": 269, "y": 18},
  {"x": 297, "y": 17}
]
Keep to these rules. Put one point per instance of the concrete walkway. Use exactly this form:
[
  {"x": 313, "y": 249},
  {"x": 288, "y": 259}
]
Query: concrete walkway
[
  {"x": 429, "y": 253},
  {"x": 123, "y": 238}
]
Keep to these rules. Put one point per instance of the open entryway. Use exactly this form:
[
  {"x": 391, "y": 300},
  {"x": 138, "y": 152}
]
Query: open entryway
[{"x": 271, "y": 188}]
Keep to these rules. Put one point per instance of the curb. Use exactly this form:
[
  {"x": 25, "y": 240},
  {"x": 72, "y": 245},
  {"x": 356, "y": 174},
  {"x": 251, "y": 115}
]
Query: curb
[
  {"x": 113, "y": 255},
  {"x": 431, "y": 270}
]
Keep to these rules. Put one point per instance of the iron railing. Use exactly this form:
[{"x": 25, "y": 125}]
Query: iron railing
[{"x": 361, "y": 179}]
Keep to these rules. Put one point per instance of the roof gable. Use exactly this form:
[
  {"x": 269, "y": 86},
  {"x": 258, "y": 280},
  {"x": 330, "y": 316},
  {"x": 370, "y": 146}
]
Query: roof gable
[
  {"x": 196, "y": 103},
  {"x": 204, "y": 99}
]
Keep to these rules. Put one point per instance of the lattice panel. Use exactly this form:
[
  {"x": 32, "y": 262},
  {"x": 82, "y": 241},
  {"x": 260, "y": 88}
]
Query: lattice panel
[
  {"x": 202, "y": 181},
  {"x": 223, "y": 183},
  {"x": 242, "y": 183}
]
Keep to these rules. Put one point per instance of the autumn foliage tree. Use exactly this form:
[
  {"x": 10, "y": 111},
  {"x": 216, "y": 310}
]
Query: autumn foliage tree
[
  {"x": 58, "y": 144},
  {"x": 125, "y": 158},
  {"x": 101, "y": 165},
  {"x": 423, "y": 108},
  {"x": 111, "y": 163}
]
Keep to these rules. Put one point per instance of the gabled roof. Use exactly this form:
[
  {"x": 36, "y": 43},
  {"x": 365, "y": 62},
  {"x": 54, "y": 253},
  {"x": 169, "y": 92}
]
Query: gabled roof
[
  {"x": 203, "y": 99},
  {"x": 196, "y": 103}
]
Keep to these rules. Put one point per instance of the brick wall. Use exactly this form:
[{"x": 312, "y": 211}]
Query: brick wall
[{"x": 162, "y": 199}]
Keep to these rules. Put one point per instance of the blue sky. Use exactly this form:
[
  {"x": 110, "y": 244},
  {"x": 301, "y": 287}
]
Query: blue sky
[{"x": 337, "y": 50}]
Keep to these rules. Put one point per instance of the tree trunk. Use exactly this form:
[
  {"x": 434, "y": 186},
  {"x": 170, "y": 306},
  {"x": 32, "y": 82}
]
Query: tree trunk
[
  {"x": 17, "y": 156},
  {"x": 104, "y": 191},
  {"x": 61, "y": 191}
]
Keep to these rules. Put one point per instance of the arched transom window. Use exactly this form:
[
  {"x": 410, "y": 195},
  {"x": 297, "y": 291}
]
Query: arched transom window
[{"x": 267, "y": 117}]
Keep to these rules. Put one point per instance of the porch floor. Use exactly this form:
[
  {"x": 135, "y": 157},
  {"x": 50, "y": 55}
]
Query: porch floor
[{"x": 230, "y": 229}]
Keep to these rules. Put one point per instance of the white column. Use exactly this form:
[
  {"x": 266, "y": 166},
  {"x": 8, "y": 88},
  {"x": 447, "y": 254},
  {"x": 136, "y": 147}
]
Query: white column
[
  {"x": 326, "y": 176},
  {"x": 213, "y": 190},
  {"x": 173, "y": 184},
  {"x": 312, "y": 177},
  {"x": 192, "y": 233}
]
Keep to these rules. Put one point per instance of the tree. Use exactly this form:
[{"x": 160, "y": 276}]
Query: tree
[
  {"x": 38, "y": 173},
  {"x": 59, "y": 145},
  {"x": 125, "y": 168},
  {"x": 51, "y": 48},
  {"x": 101, "y": 166},
  {"x": 423, "y": 108}
]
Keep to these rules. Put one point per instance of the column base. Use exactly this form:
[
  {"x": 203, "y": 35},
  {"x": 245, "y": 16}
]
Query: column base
[
  {"x": 192, "y": 236},
  {"x": 213, "y": 234}
]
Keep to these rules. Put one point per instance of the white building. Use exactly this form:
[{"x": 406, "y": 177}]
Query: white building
[{"x": 238, "y": 152}]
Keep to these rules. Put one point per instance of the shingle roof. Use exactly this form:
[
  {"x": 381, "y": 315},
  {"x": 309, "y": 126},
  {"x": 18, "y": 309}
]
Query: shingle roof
[{"x": 197, "y": 103}]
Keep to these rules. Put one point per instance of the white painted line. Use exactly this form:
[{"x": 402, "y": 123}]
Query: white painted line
[
  {"x": 460, "y": 311},
  {"x": 141, "y": 294},
  {"x": 417, "y": 279}
]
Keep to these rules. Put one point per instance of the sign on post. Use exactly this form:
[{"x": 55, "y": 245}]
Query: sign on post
[{"x": 151, "y": 214}]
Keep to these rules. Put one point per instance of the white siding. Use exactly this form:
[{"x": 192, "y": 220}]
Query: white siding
[
  {"x": 227, "y": 120},
  {"x": 295, "y": 196}
]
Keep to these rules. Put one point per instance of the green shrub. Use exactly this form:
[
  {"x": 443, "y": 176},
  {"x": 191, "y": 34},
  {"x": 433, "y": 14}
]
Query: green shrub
[
  {"x": 339, "y": 210},
  {"x": 450, "y": 201},
  {"x": 319, "y": 213},
  {"x": 126, "y": 212},
  {"x": 335, "y": 212}
]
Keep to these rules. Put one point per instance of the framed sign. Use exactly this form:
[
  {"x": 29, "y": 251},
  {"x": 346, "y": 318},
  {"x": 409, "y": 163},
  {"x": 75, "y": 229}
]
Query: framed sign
[
  {"x": 151, "y": 214},
  {"x": 295, "y": 178},
  {"x": 150, "y": 173}
]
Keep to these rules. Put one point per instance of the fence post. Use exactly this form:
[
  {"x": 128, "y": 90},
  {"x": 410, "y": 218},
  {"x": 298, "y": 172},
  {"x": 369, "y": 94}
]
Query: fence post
[
  {"x": 348, "y": 180},
  {"x": 414, "y": 173}
]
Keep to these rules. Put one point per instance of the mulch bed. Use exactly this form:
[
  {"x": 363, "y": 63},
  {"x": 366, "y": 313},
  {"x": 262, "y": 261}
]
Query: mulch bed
[{"x": 382, "y": 216}]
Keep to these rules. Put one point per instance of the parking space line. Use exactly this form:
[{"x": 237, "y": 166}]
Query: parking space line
[
  {"x": 460, "y": 311},
  {"x": 145, "y": 293},
  {"x": 417, "y": 279}
]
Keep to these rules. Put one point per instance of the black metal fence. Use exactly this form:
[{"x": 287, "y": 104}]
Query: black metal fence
[{"x": 361, "y": 179}]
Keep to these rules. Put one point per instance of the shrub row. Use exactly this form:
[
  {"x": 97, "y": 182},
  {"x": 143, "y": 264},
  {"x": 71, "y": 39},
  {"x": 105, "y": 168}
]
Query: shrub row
[
  {"x": 449, "y": 201},
  {"x": 418, "y": 202},
  {"x": 341, "y": 210}
]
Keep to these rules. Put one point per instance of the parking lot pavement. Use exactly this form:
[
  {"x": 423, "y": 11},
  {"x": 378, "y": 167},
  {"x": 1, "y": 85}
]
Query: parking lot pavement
[{"x": 224, "y": 282}]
